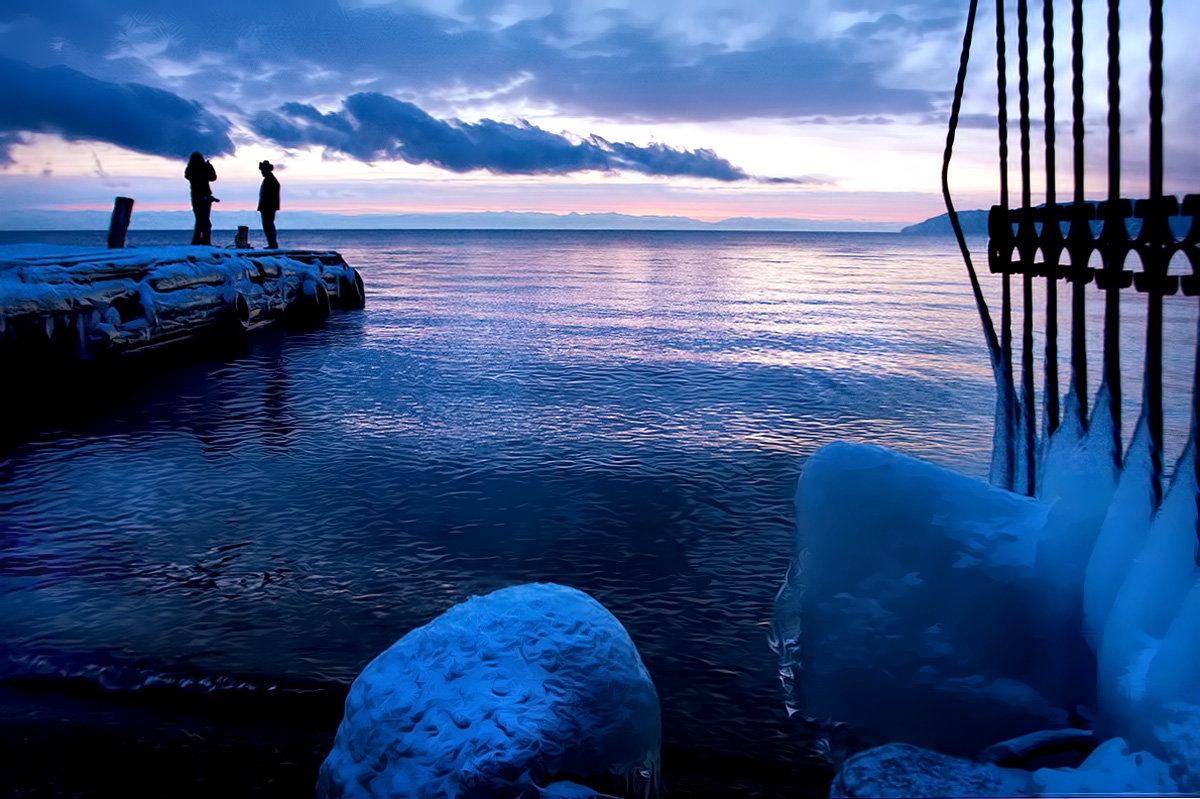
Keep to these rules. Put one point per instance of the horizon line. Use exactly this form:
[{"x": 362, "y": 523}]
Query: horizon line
[{"x": 6, "y": 231}]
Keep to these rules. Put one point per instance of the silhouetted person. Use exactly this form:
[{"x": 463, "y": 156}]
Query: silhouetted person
[
  {"x": 268, "y": 202},
  {"x": 198, "y": 173}
]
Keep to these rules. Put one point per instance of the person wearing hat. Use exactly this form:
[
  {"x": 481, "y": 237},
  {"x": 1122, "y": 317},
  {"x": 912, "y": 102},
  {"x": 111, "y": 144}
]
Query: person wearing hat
[{"x": 268, "y": 202}]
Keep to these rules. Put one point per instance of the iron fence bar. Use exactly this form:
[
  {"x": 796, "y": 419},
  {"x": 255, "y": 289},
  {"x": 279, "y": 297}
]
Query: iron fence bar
[
  {"x": 1079, "y": 234},
  {"x": 1051, "y": 236},
  {"x": 1113, "y": 238},
  {"x": 1155, "y": 254},
  {"x": 1027, "y": 249},
  {"x": 1006, "y": 344}
]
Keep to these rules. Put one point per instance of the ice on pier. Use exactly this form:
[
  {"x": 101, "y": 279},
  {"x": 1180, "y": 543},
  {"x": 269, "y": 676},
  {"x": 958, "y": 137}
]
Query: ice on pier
[
  {"x": 533, "y": 690},
  {"x": 78, "y": 303}
]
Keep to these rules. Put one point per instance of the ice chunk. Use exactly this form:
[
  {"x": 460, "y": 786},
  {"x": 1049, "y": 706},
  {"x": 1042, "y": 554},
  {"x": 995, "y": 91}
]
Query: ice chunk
[
  {"x": 497, "y": 696},
  {"x": 915, "y": 602},
  {"x": 902, "y": 770}
]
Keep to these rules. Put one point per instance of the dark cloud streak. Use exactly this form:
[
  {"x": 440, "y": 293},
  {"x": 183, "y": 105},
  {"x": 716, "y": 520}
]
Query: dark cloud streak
[
  {"x": 77, "y": 107},
  {"x": 374, "y": 127}
]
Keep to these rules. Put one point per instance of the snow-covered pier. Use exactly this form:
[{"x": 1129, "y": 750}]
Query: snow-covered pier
[{"x": 82, "y": 303}]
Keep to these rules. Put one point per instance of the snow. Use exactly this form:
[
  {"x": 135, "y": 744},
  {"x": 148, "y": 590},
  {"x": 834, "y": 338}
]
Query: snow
[{"x": 494, "y": 697}]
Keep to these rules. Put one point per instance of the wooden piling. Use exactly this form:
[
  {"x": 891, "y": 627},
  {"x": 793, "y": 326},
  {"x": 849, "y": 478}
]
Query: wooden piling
[{"x": 118, "y": 226}]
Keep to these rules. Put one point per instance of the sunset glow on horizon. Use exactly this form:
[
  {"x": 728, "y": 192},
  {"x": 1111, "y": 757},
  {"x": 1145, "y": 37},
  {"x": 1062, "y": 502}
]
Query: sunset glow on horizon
[{"x": 709, "y": 110}]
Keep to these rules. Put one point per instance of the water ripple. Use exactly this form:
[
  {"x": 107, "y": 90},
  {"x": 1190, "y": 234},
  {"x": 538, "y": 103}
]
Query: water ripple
[{"x": 626, "y": 414}]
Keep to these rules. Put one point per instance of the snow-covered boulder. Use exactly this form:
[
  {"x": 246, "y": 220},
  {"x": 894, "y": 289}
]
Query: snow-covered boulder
[{"x": 498, "y": 697}]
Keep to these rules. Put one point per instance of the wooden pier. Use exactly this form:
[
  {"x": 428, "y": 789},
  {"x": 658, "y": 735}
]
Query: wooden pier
[{"x": 63, "y": 304}]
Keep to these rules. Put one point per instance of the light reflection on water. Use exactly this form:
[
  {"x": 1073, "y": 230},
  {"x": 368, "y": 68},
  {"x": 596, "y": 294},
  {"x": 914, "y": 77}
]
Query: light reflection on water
[{"x": 624, "y": 413}]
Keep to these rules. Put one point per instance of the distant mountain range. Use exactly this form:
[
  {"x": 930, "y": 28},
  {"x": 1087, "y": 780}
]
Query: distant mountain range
[
  {"x": 974, "y": 222},
  {"x": 484, "y": 220}
]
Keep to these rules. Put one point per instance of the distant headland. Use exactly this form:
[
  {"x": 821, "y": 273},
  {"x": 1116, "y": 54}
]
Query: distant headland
[{"x": 974, "y": 223}]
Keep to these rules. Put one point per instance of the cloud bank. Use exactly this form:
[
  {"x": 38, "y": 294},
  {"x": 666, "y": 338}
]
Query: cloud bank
[
  {"x": 374, "y": 127},
  {"x": 654, "y": 62},
  {"x": 66, "y": 102},
  {"x": 370, "y": 127}
]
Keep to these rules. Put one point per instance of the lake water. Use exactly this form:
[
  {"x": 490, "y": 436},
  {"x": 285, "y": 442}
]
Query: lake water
[{"x": 196, "y": 561}]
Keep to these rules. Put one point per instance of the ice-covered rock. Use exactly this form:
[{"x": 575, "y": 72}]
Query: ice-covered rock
[
  {"x": 501, "y": 696},
  {"x": 1064, "y": 748},
  {"x": 903, "y": 770}
]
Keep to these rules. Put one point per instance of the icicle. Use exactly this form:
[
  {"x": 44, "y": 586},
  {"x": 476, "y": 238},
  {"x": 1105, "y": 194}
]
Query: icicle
[
  {"x": 1000, "y": 473},
  {"x": 1157, "y": 581},
  {"x": 1125, "y": 528},
  {"x": 1022, "y": 448}
]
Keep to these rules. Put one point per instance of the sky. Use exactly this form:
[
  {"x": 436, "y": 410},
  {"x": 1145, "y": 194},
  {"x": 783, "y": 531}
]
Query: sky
[{"x": 816, "y": 109}]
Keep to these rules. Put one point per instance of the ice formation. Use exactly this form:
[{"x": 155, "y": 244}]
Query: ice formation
[
  {"x": 913, "y": 619},
  {"x": 528, "y": 691},
  {"x": 949, "y": 614}
]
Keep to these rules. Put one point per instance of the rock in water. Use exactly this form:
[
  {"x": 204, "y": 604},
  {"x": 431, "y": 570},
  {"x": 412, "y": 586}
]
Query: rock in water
[
  {"x": 907, "y": 770},
  {"x": 496, "y": 697}
]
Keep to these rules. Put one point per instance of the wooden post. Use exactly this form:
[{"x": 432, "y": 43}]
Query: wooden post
[
  {"x": 119, "y": 225},
  {"x": 242, "y": 239}
]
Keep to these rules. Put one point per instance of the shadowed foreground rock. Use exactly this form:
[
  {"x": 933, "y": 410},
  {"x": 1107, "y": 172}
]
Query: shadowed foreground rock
[
  {"x": 1112, "y": 769},
  {"x": 903, "y": 770},
  {"x": 500, "y": 697}
]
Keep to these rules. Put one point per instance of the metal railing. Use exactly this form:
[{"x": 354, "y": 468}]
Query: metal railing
[{"x": 1054, "y": 242}]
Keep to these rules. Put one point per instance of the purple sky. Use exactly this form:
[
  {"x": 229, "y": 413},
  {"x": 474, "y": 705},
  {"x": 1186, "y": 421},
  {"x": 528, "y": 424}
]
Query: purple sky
[{"x": 827, "y": 109}]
